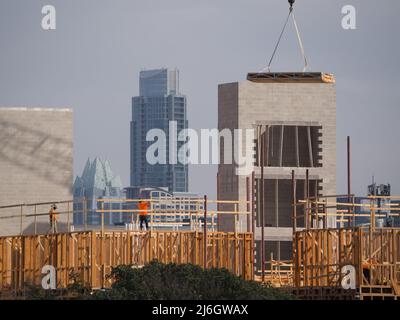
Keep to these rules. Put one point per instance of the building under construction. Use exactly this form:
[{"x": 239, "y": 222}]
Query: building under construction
[
  {"x": 339, "y": 262},
  {"x": 294, "y": 116}
]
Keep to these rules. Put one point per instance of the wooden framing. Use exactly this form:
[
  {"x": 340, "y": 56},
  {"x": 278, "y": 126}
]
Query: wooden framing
[
  {"x": 321, "y": 254},
  {"x": 279, "y": 273},
  {"x": 91, "y": 255}
]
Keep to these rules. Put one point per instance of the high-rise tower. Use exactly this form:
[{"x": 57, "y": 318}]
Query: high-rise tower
[{"x": 159, "y": 102}]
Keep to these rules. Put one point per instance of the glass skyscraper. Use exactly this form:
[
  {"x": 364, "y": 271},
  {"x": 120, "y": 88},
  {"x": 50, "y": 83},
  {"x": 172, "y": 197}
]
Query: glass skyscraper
[{"x": 158, "y": 103}]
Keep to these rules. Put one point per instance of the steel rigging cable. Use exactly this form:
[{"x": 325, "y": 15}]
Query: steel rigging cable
[{"x": 291, "y": 13}]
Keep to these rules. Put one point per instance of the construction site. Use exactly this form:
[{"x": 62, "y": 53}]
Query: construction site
[
  {"x": 342, "y": 262},
  {"x": 284, "y": 225}
]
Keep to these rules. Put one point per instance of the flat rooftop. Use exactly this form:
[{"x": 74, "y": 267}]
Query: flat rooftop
[
  {"x": 39, "y": 109},
  {"x": 291, "y": 77}
]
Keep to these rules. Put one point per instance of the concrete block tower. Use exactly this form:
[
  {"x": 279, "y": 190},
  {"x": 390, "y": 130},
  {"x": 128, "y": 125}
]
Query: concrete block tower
[{"x": 295, "y": 114}]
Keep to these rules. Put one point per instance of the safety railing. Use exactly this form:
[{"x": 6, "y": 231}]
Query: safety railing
[
  {"x": 317, "y": 211},
  {"x": 82, "y": 214}
]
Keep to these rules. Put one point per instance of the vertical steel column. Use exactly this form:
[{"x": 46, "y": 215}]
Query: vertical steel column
[
  {"x": 85, "y": 212},
  {"x": 294, "y": 218},
  {"x": 253, "y": 220},
  {"x": 218, "y": 215},
  {"x": 248, "y": 203},
  {"x": 262, "y": 207},
  {"x": 68, "y": 218},
  {"x": 253, "y": 213},
  {"x": 294, "y": 207},
  {"x": 349, "y": 181},
  {"x": 205, "y": 233},
  {"x": 316, "y": 206},
  {"x": 151, "y": 214},
  {"x": 102, "y": 218},
  {"x": 307, "y": 191}
]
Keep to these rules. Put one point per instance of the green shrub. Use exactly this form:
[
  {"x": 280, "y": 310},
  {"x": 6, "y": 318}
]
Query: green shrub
[{"x": 156, "y": 281}]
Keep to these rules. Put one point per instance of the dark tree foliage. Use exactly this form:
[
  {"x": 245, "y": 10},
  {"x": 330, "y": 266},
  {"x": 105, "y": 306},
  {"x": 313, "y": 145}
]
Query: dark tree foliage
[{"x": 157, "y": 281}]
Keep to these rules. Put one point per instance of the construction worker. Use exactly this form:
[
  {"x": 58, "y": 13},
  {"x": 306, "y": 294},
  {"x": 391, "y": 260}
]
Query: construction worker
[
  {"x": 53, "y": 218},
  {"x": 143, "y": 207},
  {"x": 367, "y": 268}
]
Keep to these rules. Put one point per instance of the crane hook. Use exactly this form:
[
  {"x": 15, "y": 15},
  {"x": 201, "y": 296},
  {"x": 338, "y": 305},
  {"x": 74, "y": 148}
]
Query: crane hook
[{"x": 291, "y": 2}]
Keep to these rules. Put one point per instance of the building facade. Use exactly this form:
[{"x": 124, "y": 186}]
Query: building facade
[
  {"x": 35, "y": 164},
  {"x": 295, "y": 115},
  {"x": 159, "y": 105}
]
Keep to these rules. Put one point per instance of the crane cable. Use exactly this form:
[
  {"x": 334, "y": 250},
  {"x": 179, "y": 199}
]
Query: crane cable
[
  {"x": 298, "y": 38},
  {"x": 300, "y": 43}
]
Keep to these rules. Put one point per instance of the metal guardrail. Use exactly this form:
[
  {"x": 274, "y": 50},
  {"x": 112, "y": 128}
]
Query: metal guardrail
[{"x": 163, "y": 213}]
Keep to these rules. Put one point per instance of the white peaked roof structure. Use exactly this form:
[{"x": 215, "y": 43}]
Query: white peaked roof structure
[{"x": 97, "y": 180}]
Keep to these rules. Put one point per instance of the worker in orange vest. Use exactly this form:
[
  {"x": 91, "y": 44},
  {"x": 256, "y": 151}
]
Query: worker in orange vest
[
  {"x": 143, "y": 207},
  {"x": 53, "y": 218},
  {"x": 367, "y": 267}
]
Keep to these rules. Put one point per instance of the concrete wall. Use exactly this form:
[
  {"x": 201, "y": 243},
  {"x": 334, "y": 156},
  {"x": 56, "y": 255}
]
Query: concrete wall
[
  {"x": 36, "y": 162},
  {"x": 302, "y": 104},
  {"x": 228, "y": 111}
]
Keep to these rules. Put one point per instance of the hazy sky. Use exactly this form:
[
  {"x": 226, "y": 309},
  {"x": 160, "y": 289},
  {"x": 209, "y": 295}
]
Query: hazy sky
[{"x": 92, "y": 60}]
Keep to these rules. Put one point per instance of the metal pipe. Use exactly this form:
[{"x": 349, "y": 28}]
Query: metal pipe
[
  {"x": 316, "y": 205},
  {"x": 205, "y": 233},
  {"x": 68, "y": 219},
  {"x": 85, "y": 217},
  {"x": 248, "y": 202},
  {"x": 294, "y": 216},
  {"x": 253, "y": 220},
  {"x": 262, "y": 208},
  {"x": 348, "y": 178},
  {"x": 253, "y": 217},
  {"x": 294, "y": 211},
  {"x": 102, "y": 219},
  {"x": 307, "y": 191},
  {"x": 218, "y": 205}
]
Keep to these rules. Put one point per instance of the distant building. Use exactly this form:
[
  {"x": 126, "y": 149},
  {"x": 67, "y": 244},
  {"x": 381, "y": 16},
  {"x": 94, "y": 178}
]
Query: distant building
[
  {"x": 395, "y": 204},
  {"x": 381, "y": 190},
  {"x": 362, "y": 210},
  {"x": 158, "y": 103},
  {"x": 361, "y": 213},
  {"x": 97, "y": 182},
  {"x": 171, "y": 210}
]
